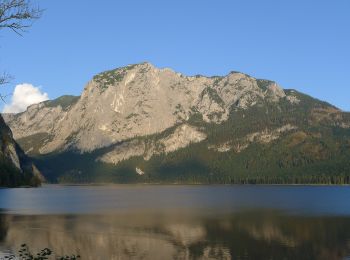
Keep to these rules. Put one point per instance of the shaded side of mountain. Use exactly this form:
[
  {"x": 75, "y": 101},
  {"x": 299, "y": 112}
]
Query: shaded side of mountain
[{"x": 16, "y": 169}]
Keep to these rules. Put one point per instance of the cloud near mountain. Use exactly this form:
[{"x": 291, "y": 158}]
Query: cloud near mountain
[{"x": 23, "y": 96}]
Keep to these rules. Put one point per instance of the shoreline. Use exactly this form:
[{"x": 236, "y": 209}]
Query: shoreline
[{"x": 186, "y": 184}]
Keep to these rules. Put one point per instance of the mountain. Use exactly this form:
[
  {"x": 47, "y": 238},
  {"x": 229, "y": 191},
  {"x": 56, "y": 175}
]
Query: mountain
[
  {"x": 16, "y": 169},
  {"x": 140, "y": 123}
]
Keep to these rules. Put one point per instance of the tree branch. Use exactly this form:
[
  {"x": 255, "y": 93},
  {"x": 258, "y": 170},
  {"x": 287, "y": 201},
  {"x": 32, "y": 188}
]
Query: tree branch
[
  {"x": 17, "y": 15},
  {"x": 4, "y": 79}
]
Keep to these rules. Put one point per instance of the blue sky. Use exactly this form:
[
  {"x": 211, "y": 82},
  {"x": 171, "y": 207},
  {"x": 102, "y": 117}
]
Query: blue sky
[{"x": 301, "y": 44}]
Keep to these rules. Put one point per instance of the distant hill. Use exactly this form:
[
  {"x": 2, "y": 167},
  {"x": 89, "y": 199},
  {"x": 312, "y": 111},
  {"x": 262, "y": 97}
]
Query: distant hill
[{"x": 140, "y": 123}]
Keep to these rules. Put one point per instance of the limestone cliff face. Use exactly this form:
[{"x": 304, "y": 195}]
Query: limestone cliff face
[
  {"x": 181, "y": 137},
  {"x": 137, "y": 100}
]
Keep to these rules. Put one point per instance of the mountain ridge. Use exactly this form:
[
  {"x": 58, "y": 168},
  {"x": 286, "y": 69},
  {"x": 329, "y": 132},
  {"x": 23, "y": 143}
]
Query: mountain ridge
[{"x": 131, "y": 117}]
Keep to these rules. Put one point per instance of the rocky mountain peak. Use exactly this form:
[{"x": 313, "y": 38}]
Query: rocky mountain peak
[
  {"x": 138, "y": 100},
  {"x": 148, "y": 124}
]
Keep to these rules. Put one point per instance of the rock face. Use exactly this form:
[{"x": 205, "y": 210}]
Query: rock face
[
  {"x": 182, "y": 136},
  {"x": 15, "y": 167},
  {"x": 137, "y": 114},
  {"x": 136, "y": 100},
  {"x": 264, "y": 137}
]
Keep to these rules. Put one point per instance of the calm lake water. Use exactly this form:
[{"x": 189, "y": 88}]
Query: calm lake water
[{"x": 179, "y": 222}]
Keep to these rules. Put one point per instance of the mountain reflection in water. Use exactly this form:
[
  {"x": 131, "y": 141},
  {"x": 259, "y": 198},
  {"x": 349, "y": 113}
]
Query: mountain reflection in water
[
  {"x": 181, "y": 235},
  {"x": 179, "y": 222}
]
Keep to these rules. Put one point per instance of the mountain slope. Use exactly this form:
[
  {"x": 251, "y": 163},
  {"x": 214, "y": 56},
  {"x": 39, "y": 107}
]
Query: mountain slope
[
  {"x": 16, "y": 169},
  {"x": 143, "y": 124}
]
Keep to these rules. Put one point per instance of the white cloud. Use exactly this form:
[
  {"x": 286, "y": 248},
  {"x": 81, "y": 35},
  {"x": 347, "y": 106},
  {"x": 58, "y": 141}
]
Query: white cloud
[{"x": 23, "y": 96}]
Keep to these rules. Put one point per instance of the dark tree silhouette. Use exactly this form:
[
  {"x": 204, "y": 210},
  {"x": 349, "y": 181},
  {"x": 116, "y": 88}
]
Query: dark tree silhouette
[{"x": 18, "y": 15}]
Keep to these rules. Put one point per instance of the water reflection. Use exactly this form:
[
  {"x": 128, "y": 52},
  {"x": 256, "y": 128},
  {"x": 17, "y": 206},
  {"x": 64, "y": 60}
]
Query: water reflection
[{"x": 181, "y": 234}]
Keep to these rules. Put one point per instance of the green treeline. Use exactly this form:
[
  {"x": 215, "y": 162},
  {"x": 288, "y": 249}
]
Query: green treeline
[{"x": 10, "y": 176}]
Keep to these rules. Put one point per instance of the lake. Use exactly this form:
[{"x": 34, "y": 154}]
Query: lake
[{"x": 179, "y": 222}]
